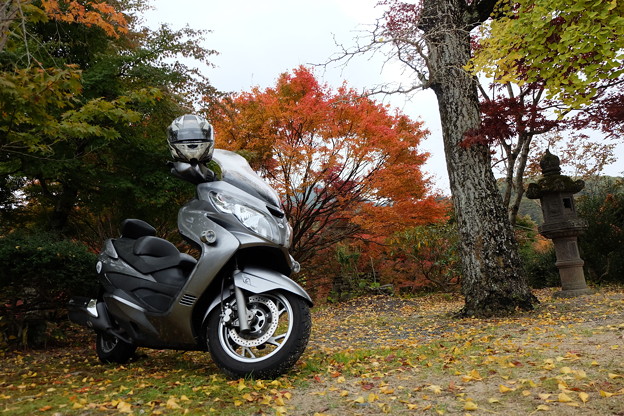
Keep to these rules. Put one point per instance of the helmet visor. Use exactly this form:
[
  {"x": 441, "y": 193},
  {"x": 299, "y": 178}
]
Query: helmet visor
[
  {"x": 191, "y": 134},
  {"x": 188, "y": 151}
]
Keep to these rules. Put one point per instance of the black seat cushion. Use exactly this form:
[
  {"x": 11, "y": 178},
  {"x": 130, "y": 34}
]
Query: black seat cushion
[
  {"x": 133, "y": 228},
  {"x": 146, "y": 263},
  {"x": 153, "y": 255},
  {"x": 155, "y": 247}
]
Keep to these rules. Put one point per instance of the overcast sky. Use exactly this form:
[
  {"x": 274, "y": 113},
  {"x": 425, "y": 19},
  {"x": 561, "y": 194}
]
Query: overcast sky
[{"x": 257, "y": 40}]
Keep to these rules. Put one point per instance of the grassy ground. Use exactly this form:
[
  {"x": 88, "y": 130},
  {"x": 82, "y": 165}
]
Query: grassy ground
[{"x": 371, "y": 356}]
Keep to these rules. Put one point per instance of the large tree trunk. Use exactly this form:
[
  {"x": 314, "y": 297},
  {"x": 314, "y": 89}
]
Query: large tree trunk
[
  {"x": 492, "y": 283},
  {"x": 8, "y": 13}
]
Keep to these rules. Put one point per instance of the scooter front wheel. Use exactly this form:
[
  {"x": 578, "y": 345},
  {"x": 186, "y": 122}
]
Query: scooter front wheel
[
  {"x": 111, "y": 349},
  {"x": 279, "y": 331}
]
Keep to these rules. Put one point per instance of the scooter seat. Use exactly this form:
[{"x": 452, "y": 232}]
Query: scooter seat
[
  {"x": 187, "y": 262},
  {"x": 151, "y": 254},
  {"x": 156, "y": 247},
  {"x": 133, "y": 228}
]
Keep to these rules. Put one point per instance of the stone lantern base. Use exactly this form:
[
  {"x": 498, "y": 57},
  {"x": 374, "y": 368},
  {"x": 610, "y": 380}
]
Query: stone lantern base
[
  {"x": 573, "y": 293},
  {"x": 570, "y": 265}
]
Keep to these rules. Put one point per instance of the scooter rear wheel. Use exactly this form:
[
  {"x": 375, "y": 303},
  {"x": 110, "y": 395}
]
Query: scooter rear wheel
[
  {"x": 111, "y": 349},
  {"x": 279, "y": 331}
]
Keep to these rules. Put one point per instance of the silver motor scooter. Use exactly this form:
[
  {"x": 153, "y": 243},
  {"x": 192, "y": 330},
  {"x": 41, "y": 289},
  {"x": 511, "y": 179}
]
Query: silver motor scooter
[{"x": 235, "y": 301}]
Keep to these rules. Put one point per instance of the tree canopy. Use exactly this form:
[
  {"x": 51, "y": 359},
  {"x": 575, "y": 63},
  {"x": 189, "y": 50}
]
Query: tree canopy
[
  {"x": 86, "y": 96},
  {"x": 575, "y": 47}
]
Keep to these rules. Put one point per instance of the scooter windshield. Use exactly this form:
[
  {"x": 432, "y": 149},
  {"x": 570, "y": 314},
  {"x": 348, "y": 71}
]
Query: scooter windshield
[{"x": 236, "y": 171}]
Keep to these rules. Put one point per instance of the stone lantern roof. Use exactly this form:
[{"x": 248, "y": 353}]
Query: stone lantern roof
[{"x": 552, "y": 180}]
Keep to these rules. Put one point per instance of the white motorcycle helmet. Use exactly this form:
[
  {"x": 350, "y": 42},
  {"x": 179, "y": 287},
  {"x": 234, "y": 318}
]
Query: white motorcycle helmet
[{"x": 191, "y": 137}]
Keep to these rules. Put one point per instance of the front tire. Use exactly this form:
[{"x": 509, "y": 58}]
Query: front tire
[
  {"x": 111, "y": 349},
  {"x": 280, "y": 326}
]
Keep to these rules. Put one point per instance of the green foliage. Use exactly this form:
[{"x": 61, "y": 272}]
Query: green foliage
[
  {"x": 539, "y": 268},
  {"x": 537, "y": 254},
  {"x": 602, "y": 244},
  {"x": 90, "y": 148},
  {"x": 29, "y": 124},
  {"x": 426, "y": 256},
  {"x": 39, "y": 273},
  {"x": 571, "y": 46},
  {"x": 349, "y": 281},
  {"x": 83, "y": 114}
]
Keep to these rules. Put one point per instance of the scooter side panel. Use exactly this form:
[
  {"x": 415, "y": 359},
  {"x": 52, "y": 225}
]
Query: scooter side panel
[
  {"x": 175, "y": 326},
  {"x": 118, "y": 305}
]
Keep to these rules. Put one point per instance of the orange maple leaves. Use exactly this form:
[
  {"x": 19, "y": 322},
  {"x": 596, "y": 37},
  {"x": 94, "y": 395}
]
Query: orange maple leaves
[{"x": 89, "y": 13}]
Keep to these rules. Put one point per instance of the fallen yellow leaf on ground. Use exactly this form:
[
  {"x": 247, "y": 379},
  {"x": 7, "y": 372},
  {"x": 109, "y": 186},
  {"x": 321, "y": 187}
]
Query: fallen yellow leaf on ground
[
  {"x": 124, "y": 407},
  {"x": 470, "y": 405},
  {"x": 605, "y": 393},
  {"x": 172, "y": 403},
  {"x": 504, "y": 389},
  {"x": 435, "y": 389}
]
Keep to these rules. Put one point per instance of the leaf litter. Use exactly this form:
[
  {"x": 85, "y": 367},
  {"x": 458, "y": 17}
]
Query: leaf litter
[{"x": 372, "y": 355}]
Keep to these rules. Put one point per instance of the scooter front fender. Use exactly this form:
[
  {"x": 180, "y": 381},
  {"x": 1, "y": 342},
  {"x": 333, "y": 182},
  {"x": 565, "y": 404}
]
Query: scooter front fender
[{"x": 260, "y": 280}]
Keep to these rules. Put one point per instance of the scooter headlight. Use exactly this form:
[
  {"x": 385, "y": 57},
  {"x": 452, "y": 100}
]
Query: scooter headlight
[
  {"x": 257, "y": 221},
  {"x": 294, "y": 265},
  {"x": 289, "y": 235},
  {"x": 92, "y": 308}
]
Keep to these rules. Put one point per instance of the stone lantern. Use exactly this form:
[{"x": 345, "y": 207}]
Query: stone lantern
[{"x": 561, "y": 223}]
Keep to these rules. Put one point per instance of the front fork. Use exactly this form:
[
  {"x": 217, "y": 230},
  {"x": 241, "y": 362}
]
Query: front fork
[{"x": 241, "y": 308}]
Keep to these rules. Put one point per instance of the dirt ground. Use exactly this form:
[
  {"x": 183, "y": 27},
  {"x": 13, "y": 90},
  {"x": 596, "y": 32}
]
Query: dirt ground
[{"x": 564, "y": 358}]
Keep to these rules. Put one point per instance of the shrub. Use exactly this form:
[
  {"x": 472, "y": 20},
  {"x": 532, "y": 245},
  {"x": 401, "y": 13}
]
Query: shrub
[
  {"x": 540, "y": 269},
  {"x": 38, "y": 275},
  {"x": 602, "y": 244},
  {"x": 537, "y": 254},
  {"x": 349, "y": 279},
  {"x": 425, "y": 257}
]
